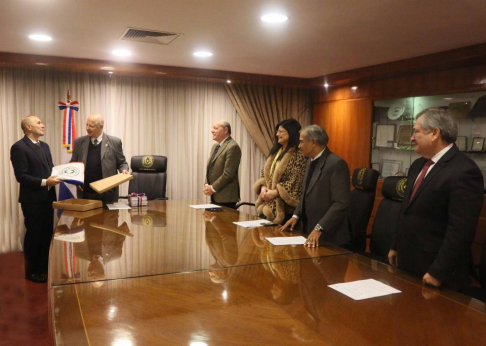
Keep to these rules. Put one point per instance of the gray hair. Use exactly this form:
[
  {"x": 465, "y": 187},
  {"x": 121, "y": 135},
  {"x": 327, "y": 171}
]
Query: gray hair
[
  {"x": 315, "y": 132},
  {"x": 226, "y": 124},
  {"x": 438, "y": 118}
]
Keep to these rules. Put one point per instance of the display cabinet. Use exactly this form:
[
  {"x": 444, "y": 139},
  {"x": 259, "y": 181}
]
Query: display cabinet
[{"x": 392, "y": 152}]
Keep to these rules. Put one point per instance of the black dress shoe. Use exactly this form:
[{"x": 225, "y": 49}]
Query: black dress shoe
[{"x": 37, "y": 278}]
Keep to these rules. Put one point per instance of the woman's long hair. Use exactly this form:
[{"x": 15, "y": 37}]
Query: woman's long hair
[{"x": 293, "y": 127}]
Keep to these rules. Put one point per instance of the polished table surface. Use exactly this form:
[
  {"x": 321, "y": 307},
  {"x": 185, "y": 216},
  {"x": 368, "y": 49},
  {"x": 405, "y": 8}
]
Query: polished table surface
[
  {"x": 166, "y": 237},
  {"x": 227, "y": 288}
]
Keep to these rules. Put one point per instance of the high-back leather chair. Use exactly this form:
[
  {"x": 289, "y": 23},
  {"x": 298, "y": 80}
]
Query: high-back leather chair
[
  {"x": 149, "y": 176},
  {"x": 385, "y": 224},
  {"x": 362, "y": 200}
]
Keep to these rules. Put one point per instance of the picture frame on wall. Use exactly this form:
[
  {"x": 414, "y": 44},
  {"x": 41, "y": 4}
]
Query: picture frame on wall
[
  {"x": 385, "y": 136},
  {"x": 375, "y": 166},
  {"x": 461, "y": 143},
  {"x": 390, "y": 168},
  {"x": 477, "y": 144},
  {"x": 404, "y": 136}
]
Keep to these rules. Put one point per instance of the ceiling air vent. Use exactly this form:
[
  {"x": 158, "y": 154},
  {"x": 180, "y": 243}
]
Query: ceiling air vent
[{"x": 149, "y": 36}]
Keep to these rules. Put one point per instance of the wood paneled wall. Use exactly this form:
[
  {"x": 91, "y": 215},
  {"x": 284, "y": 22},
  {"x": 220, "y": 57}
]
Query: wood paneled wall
[{"x": 348, "y": 124}]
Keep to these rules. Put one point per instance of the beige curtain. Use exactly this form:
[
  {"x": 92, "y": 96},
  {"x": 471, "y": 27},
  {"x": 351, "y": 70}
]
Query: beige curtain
[
  {"x": 151, "y": 116},
  {"x": 262, "y": 107}
]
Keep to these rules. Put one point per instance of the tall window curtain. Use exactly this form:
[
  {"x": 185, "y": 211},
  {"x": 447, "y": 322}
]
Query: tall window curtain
[
  {"x": 152, "y": 116},
  {"x": 262, "y": 107}
]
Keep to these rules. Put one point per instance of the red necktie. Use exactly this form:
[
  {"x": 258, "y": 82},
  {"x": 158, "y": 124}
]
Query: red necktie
[{"x": 422, "y": 176}]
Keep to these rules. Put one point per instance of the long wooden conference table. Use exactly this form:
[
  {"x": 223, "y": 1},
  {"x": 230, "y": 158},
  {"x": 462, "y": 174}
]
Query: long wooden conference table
[{"x": 172, "y": 275}]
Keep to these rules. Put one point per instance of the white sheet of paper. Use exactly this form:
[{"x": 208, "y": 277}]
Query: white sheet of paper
[
  {"x": 204, "y": 206},
  {"x": 287, "y": 240},
  {"x": 364, "y": 289},
  {"x": 253, "y": 223},
  {"x": 118, "y": 206}
]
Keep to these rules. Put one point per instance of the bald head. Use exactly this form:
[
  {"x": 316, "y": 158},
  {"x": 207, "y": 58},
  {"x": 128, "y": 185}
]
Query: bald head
[
  {"x": 32, "y": 127},
  {"x": 94, "y": 125}
]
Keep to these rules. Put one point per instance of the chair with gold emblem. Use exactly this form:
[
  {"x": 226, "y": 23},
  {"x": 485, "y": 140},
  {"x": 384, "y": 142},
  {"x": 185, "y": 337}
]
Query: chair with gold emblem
[
  {"x": 385, "y": 224},
  {"x": 362, "y": 200},
  {"x": 149, "y": 176}
]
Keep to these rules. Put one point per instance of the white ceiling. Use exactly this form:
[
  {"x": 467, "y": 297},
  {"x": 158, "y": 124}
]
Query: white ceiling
[{"x": 320, "y": 37}]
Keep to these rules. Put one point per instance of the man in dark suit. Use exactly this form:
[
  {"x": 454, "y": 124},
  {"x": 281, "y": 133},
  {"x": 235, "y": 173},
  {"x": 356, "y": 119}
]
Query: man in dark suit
[
  {"x": 222, "y": 169},
  {"x": 32, "y": 164},
  {"x": 326, "y": 195},
  {"x": 441, "y": 206},
  {"x": 103, "y": 157}
]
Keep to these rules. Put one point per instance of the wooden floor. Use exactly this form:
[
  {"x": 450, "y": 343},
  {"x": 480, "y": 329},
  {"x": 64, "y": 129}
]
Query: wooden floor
[{"x": 23, "y": 305}]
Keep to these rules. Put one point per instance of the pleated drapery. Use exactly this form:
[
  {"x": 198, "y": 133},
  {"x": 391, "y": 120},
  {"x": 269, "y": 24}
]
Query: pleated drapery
[{"x": 151, "y": 116}]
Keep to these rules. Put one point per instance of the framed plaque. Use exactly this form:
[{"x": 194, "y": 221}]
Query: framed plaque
[
  {"x": 385, "y": 136},
  {"x": 390, "y": 168},
  {"x": 477, "y": 144},
  {"x": 459, "y": 110},
  {"x": 461, "y": 143},
  {"x": 375, "y": 166},
  {"x": 404, "y": 135}
]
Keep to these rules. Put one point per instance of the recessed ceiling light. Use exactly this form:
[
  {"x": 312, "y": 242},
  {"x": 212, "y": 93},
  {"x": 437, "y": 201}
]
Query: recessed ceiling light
[
  {"x": 39, "y": 37},
  {"x": 447, "y": 98},
  {"x": 203, "y": 54},
  {"x": 274, "y": 18},
  {"x": 121, "y": 52},
  {"x": 41, "y": 63},
  {"x": 326, "y": 85},
  {"x": 354, "y": 88},
  {"x": 107, "y": 68},
  {"x": 228, "y": 81},
  {"x": 110, "y": 72},
  {"x": 160, "y": 72}
]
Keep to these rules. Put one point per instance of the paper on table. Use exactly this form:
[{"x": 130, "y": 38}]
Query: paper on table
[
  {"x": 364, "y": 289},
  {"x": 253, "y": 223},
  {"x": 118, "y": 206},
  {"x": 204, "y": 206},
  {"x": 286, "y": 240}
]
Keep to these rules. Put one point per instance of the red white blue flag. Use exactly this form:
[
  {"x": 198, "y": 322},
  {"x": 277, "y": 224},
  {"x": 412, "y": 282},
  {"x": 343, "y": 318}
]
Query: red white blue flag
[{"x": 68, "y": 124}]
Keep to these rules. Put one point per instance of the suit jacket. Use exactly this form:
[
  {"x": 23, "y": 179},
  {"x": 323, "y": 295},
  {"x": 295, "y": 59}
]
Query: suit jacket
[
  {"x": 30, "y": 168},
  {"x": 327, "y": 198},
  {"x": 223, "y": 172},
  {"x": 436, "y": 228},
  {"x": 112, "y": 159}
]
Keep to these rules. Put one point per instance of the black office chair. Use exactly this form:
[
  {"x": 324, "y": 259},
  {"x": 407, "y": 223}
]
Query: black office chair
[
  {"x": 149, "y": 176},
  {"x": 385, "y": 223},
  {"x": 479, "y": 291},
  {"x": 362, "y": 200}
]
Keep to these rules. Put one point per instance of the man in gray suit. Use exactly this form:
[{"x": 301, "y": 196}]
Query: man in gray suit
[
  {"x": 103, "y": 157},
  {"x": 326, "y": 195},
  {"x": 222, "y": 169}
]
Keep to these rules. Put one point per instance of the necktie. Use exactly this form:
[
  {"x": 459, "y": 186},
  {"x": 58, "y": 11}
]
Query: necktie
[
  {"x": 312, "y": 168},
  {"x": 37, "y": 143},
  {"x": 95, "y": 143},
  {"x": 212, "y": 157},
  {"x": 422, "y": 176}
]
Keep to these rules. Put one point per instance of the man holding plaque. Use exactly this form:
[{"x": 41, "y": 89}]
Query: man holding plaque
[
  {"x": 103, "y": 157},
  {"x": 32, "y": 164},
  {"x": 441, "y": 206}
]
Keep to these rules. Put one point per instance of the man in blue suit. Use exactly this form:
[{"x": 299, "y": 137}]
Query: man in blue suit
[
  {"x": 32, "y": 164},
  {"x": 441, "y": 206}
]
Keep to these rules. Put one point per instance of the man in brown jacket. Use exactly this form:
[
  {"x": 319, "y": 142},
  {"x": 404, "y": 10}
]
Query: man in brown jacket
[{"x": 222, "y": 169}]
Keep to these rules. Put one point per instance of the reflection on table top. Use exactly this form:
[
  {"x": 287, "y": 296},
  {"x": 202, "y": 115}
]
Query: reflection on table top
[
  {"x": 280, "y": 303},
  {"x": 165, "y": 237}
]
